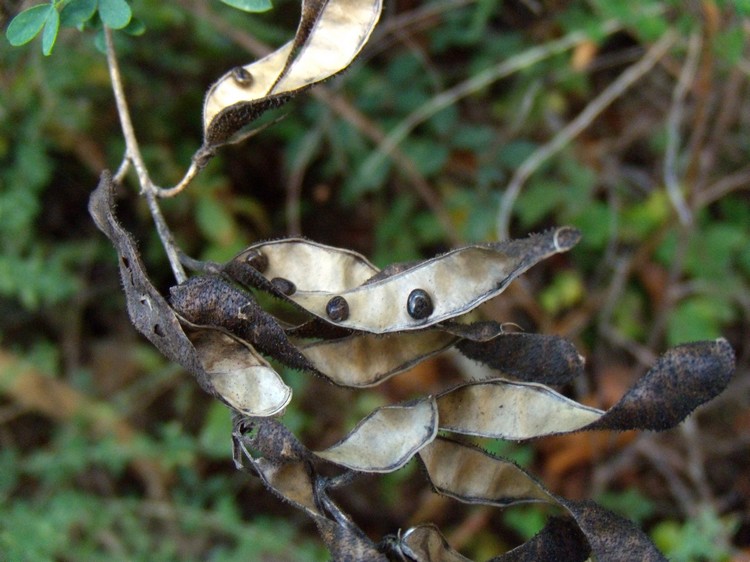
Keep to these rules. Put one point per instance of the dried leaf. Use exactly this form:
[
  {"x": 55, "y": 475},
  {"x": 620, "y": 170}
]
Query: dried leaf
[
  {"x": 365, "y": 359},
  {"x": 243, "y": 379},
  {"x": 386, "y": 439},
  {"x": 511, "y": 410},
  {"x": 538, "y": 358},
  {"x": 434, "y": 290},
  {"x": 330, "y": 35},
  {"x": 148, "y": 311}
]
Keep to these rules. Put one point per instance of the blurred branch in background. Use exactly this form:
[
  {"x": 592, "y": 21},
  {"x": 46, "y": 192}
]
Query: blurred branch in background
[{"x": 402, "y": 157}]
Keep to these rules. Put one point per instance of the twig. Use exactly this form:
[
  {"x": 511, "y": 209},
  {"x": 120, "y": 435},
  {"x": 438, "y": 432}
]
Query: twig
[
  {"x": 133, "y": 151},
  {"x": 664, "y": 460},
  {"x": 183, "y": 183},
  {"x": 572, "y": 129},
  {"x": 133, "y": 154},
  {"x": 122, "y": 171},
  {"x": 387, "y": 31},
  {"x": 696, "y": 460},
  {"x": 470, "y": 86},
  {"x": 300, "y": 162},
  {"x": 686, "y": 79},
  {"x": 676, "y": 268},
  {"x": 738, "y": 180}
]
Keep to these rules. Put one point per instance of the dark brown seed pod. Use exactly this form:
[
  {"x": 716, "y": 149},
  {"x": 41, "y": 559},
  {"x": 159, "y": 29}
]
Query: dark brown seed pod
[
  {"x": 257, "y": 260},
  {"x": 242, "y": 76},
  {"x": 284, "y": 285},
  {"x": 419, "y": 304},
  {"x": 337, "y": 309}
]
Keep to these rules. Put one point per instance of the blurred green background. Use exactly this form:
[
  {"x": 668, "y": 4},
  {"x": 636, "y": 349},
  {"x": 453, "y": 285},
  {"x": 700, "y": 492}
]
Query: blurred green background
[{"x": 512, "y": 116}]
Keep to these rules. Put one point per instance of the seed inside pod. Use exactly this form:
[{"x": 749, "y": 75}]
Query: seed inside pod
[
  {"x": 257, "y": 260},
  {"x": 284, "y": 285},
  {"x": 242, "y": 76},
  {"x": 337, "y": 309},
  {"x": 419, "y": 304}
]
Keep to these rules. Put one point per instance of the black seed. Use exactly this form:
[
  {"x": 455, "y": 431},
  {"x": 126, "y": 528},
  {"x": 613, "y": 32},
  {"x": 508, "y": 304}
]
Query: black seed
[
  {"x": 257, "y": 260},
  {"x": 419, "y": 304},
  {"x": 337, "y": 309},
  {"x": 284, "y": 285},
  {"x": 242, "y": 76}
]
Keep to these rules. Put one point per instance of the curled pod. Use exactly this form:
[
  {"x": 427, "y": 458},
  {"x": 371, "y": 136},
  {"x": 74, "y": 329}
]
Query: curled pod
[{"x": 284, "y": 286}]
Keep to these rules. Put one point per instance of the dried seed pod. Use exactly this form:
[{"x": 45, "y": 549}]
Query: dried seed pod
[
  {"x": 284, "y": 285},
  {"x": 419, "y": 304},
  {"x": 337, "y": 309},
  {"x": 242, "y": 77},
  {"x": 257, "y": 260},
  {"x": 381, "y": 305},
  {"x": 330, "y": 35}
]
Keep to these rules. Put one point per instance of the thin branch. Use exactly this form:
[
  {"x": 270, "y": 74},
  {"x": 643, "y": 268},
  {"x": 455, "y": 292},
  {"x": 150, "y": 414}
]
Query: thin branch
[
  {"x": 738, "y": 180},
  {"x": 183, "y": 183},
  {"x": 122, "y": 171},
  {"x": 133, "y": 154},
  {"x": 696, "y": 460},
  {"x": 664, "y": 461},
  {"x": 470, "y": 86},
  {"x": 676, "y": 269},
  {"x": 308, "y": 150},
  {"x": 686, "y": 79},
  {"x": 133, "y": 151},
  {"x": 576, "y": 126}
]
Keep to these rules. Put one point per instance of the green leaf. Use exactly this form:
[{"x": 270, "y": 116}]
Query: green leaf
[
  {"x": 100, "y": 42},
  {"x": 742, "y": 7},
  {"x": 429, "y": 157},
  {"x": 115, "y": 14},
  {"x": 77, "y": 12},
  {"x": 214, "y": 436},
  {"x": 135, "y": 28},
  {"x": 697, "y": 318},
  {"x": 249, "y": 5},
  {"x": 26, "y": 25},
  {"x": 49, "y": 35}
]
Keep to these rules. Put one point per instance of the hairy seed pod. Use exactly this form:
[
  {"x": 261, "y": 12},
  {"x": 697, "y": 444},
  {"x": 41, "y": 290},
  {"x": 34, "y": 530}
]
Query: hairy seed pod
[
  {"x": 419, "y": 304},
  {"x": 242, "y": 76},
  {"x": 257, "y": 260},
  {"x": 337, "y": 309},
  {"x": 284, "y": 286}
]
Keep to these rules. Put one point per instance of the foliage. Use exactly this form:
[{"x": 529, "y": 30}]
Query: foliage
[{"x": 639, "y": 280}]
